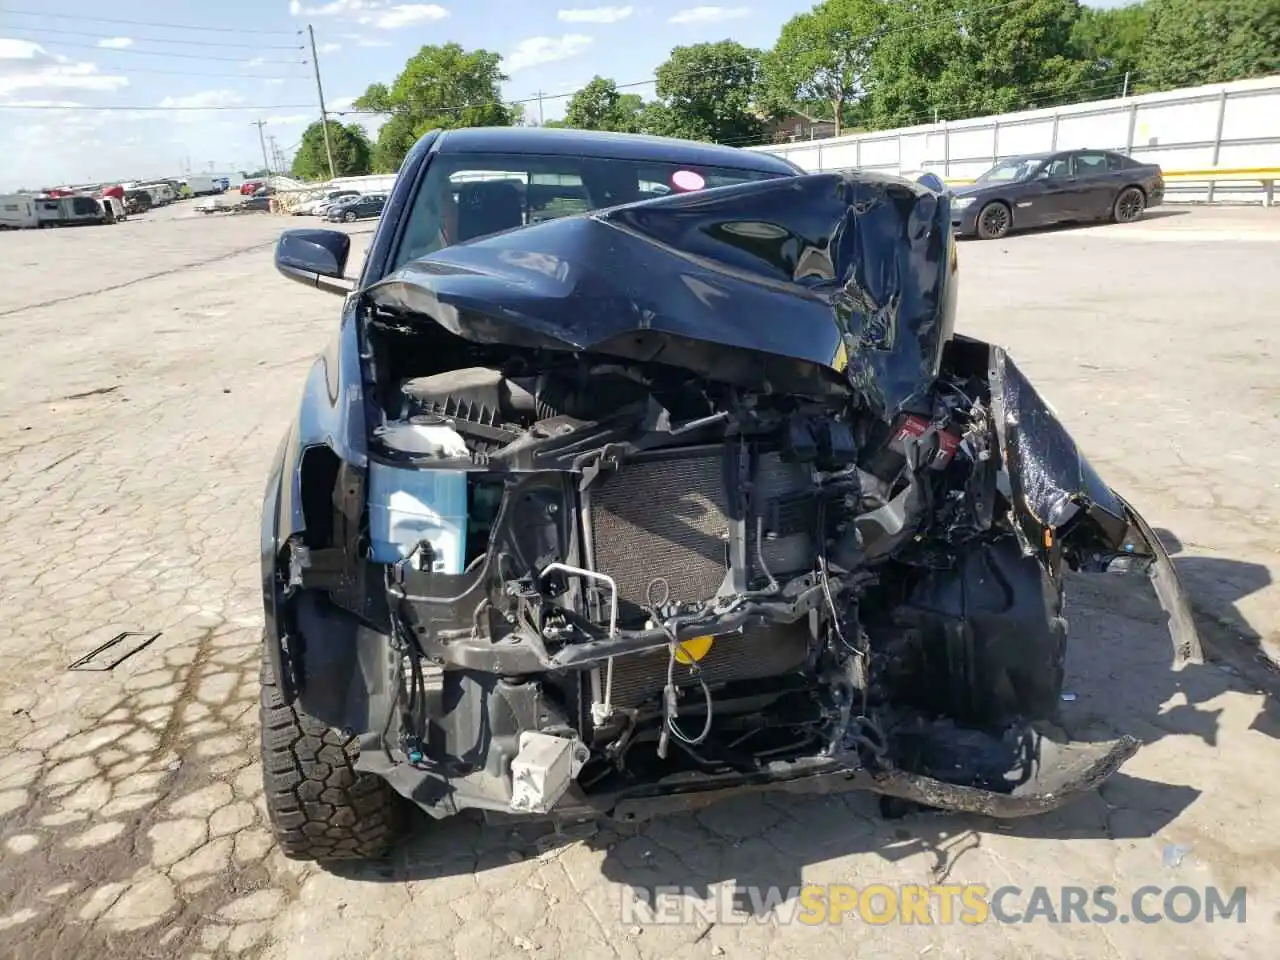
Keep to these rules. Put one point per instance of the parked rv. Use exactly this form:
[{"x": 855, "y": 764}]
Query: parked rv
[
  {"x": 18, "y": 212},
  {"x": 69, "y": 211}
]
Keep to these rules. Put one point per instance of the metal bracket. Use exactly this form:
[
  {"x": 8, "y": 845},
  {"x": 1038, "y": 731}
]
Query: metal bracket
[{"x": 602, "y": 708}]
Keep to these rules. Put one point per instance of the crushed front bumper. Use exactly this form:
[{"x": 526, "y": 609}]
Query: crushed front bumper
[{"x": 1056, "y": 773}]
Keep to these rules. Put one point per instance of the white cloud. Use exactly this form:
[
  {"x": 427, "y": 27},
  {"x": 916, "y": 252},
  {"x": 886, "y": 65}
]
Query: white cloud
[
  {"x": 45, "y": 104},
  {"x": 205, "y": 98},
  {"x": 20, "y": 49},
  {"x": 330, "y": 47},
  {"x": 539, "y": 50},
  {"x": 25, "y": 65},
  {"x": 406, "y": 14},
  {"x": 594, "y": 14},
  {"x": 342, "y": 103},
  {"x": 708, "y": 14},
  {"x": 115, "y": 43},
  {"x": 383, "y": 14},
  {"x": 290, "y": 119},
  {"x": 256, "y": 62},
  {"x": 334, "y": 7}
]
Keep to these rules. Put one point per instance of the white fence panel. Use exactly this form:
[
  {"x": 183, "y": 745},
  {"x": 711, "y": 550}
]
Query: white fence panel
[
  {"x": 1026, "y": 136},
  {"x": 1232, "y": 125}
]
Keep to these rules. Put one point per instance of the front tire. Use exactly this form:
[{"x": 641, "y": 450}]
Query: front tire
[
  {"x": 994, "y": 221},
  {"x": 1129, "y": 206},
  {"x": 350, "y": 216},
  {"x": 320, "y": 808}
]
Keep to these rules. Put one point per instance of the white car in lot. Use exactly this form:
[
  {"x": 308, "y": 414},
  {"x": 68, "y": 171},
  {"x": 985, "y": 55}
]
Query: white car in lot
[{"x": 317, "y": 206}]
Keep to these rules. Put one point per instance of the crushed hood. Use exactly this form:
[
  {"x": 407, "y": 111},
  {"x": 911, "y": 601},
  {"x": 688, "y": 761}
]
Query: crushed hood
[{"x": 812, "y": 285}]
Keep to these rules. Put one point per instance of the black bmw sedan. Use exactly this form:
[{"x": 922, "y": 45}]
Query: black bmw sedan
[{"x": 1042, "y": 189}]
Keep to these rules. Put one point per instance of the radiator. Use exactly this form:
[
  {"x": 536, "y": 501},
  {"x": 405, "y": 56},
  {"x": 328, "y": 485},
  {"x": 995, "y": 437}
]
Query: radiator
[
  {"x": 763, "y": 651},
  {"x": 664, "y": 518},
  {"x": 669, "y": 518}
]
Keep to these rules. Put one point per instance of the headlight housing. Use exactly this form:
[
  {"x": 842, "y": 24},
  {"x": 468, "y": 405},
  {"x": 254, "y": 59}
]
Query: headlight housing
[{"x": 959, "y": 203}]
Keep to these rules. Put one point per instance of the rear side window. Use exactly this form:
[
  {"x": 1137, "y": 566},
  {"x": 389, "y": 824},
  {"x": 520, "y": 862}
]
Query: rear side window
[
  {"x": 466, "y": 196},
  {"x": 1090, "y": 163},
  {"x": 1116, "y": 161}
]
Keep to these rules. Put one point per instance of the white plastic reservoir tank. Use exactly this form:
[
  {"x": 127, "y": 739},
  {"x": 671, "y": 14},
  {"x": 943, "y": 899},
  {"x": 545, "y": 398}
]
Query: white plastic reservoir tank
[{"x": 408, "y": 506}]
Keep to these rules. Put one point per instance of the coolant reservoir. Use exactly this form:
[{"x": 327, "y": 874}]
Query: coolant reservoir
[{"x": 408, "y": 506}]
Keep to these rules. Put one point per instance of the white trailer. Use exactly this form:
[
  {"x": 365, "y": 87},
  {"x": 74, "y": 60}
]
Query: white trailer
[
  {"x": 18, "y": 212},
  {"x": 202, "y": 186}
]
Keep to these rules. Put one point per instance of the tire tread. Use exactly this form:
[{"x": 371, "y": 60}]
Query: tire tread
[{"x": 319, "y": 806}]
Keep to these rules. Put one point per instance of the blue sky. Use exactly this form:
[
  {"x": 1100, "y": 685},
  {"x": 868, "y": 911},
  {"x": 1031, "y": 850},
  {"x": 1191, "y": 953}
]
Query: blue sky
[{"x": 187, "y": 98}]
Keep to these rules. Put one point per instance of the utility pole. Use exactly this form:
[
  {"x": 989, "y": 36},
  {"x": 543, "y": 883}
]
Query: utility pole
[
  {"x": 1126, "y": 84},
  {"x": 324, "y": 114},
  {"x": 541, "y": 121},
  {"x": 262, "y": 142},
  {"x": 275, "y": 153}
]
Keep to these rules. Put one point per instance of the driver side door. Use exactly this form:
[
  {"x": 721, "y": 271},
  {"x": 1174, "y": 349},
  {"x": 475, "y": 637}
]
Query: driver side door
[{"x": 1052, "y": 199}]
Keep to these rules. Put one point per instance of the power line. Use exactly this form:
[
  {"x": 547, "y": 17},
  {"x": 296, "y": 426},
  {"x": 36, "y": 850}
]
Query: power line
[
  {"x": 225, "y": 76},
  {"x": 141, "y": 23},
  {"x": 915, "y": 25},
  {"x": 158, "y": 53},
  {"x": 185, "y": 43}
]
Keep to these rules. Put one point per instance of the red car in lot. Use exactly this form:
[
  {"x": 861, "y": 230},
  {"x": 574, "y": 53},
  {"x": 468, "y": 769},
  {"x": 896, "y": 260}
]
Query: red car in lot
[{"x": 250, "y": 187}]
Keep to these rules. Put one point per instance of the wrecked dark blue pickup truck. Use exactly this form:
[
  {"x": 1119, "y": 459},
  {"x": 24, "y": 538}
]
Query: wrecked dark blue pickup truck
[{"x": 641, "y": 473}]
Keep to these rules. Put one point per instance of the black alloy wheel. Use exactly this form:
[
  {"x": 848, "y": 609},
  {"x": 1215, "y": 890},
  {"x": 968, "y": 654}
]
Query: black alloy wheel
[
  {"x": 994, "y": 221},
  {"x": 1129, "y": 205}
]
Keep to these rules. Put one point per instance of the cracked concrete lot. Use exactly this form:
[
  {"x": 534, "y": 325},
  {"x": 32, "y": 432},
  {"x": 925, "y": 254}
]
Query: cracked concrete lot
[{"x": 147, "y": 371}]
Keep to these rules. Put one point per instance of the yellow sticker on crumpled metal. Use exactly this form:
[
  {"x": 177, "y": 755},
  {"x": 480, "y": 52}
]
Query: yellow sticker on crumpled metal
[
  {"x": 694, "y": 649},
  {"x": 841, "y": 359}
]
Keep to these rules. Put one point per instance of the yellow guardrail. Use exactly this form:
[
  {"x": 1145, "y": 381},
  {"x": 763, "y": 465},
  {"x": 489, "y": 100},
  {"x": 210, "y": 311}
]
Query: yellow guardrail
[{"x": 1239, "y": 173}]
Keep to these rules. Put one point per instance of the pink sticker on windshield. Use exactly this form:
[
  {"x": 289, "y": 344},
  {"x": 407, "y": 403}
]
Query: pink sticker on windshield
[{"x": 687, "y": 180}]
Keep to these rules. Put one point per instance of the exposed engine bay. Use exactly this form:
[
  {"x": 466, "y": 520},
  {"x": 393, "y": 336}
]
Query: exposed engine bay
[{"x": 719, "y": 504}]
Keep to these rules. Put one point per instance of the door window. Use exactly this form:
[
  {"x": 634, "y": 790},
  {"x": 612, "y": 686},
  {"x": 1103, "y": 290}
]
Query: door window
[
  {"x": 1055, "y": 169},
  {"x": 1091, "y": 164}
]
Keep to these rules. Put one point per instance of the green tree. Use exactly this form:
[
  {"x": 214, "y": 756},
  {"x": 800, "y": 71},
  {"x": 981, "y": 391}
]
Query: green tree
[
  {"x": 959, "y": 58},
  {"x": 1210, "y": 41},
  {"x": 821, "y": 60},
  {"x": 599, "y": 106},
  {"x": 352, "y": 152},
  {"x": 1112, "y": 39},
  {"x": 440, "y": 87},
  {"x": 707, "y": 92}
]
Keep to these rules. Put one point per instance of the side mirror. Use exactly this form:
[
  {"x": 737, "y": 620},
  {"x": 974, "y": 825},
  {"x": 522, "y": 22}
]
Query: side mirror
[
  {"x": 932, "y": 181},
  {"x": 317, "y": 258}
]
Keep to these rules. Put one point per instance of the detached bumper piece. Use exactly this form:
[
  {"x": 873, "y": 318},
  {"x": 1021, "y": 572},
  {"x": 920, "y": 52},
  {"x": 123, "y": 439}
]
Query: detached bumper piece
[
  {"x": 1001, "y": 777},
  {"x": 1075, "y": 769}
]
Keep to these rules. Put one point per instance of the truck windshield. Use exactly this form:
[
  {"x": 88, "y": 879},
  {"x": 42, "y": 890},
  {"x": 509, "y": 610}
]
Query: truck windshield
[{"x": 467, "y": 196}]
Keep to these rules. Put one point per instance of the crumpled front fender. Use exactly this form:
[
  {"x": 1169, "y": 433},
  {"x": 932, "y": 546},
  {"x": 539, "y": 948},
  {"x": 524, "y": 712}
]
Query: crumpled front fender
[{"x": 1062, "y": 509}]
